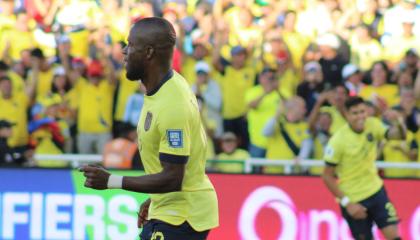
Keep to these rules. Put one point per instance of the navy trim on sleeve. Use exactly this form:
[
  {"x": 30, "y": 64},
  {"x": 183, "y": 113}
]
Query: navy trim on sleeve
[
  {"x": 170, "y": 158},
  {"x": 163, "y": 81},
  {"x": 331, "y": 164}
]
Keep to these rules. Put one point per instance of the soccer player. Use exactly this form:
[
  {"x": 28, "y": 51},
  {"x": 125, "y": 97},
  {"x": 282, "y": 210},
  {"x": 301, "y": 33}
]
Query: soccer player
[
  {"x": 350, "y": 155},
  {"x": 183, "y": 202}
]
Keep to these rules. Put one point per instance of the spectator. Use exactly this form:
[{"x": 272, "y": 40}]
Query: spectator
[
  {"x": 13, "y": 109},
  {"x": 95, "y": 115},
  {"x": 353, "y": 79},
  {"x": 320, "y": 134},
  {"x": 312, "y": 85},
  {"x": 8, "y": 156},
  {"x": 365, "y": 49},
  {"x": 122, "y": 152},
  {"x": 231, "y": 154},
  {"x": 41, "y": 74},
  {"x": 236, "y": 78},
  {"x": 401, "y": 151},
  {"x": 262, "y": 100},
  {"x": 209, "y": 90},
  {"x": 288, "y": 134},
  {"x": 332, "y": 64},
  {"x": 382, "y": 94}
]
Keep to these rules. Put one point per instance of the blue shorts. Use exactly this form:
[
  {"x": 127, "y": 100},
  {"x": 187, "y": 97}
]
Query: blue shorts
[
  {"x": 158, "y": 230},
  {"x": 379, "y": 210}
]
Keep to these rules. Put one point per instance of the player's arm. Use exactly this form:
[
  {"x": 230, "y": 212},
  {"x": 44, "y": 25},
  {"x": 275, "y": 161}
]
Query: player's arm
[
  {"x": 168, "y": 180},
  {"x": 332, "y": 159}
]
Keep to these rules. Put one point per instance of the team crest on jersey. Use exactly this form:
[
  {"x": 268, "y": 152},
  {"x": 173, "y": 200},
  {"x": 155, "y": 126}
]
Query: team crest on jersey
[
  {"x": 148, "y": 121},
  {"x": 175, "y": 138},
  {"x": 369, "y": 137}
]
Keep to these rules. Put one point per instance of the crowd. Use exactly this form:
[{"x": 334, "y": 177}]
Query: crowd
[{"x": 271, "y": 76}]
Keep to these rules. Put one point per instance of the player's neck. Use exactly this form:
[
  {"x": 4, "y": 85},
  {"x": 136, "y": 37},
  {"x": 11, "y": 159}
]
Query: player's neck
[
  {"x": 154, "y": 79},
  {"x": 358, "y": 131}
]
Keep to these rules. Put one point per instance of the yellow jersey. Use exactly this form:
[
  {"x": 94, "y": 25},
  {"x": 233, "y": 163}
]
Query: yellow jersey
[
  {"x": 14, "y": 111},
  {"x": 170, "y": 123},
  {"x": 125, "y": 90},
  {"x": 232, "y": 162},
  {"x": 278, "y": 148},
  {"x": 388, "y": 92},
  {"x": 95, "y": 111},
  {"x": 234, "y": 83},
  {"x": 338, "y": 120},
  {"x": 44, "y": 84},
  {"x": 396, "y": 151},
  {"x": 258, "y": 117},
  {"x": 354, "y": 155}
]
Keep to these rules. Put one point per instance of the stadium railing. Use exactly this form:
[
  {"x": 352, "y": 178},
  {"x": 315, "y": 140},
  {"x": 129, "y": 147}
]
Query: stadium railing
[{"x": 77, "y": 160}]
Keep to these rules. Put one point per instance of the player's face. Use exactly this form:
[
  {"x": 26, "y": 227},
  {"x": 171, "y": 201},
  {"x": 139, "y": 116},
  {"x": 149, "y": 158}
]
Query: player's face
[
  {"x": 356, "y": 116},
  {"x": 133, "y": 58}
]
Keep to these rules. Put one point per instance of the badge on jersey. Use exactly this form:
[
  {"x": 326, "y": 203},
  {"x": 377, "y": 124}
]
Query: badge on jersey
[
  {"x": 369, "y": 137},
  {"x": 175, "y": 138},
  {"x": 329, "y": 151},
  {"x": 148, "y": 121}
]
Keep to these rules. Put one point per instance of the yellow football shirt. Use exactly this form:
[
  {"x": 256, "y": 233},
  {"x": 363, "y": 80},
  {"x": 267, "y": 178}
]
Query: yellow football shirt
[
  {"x": 14, "y": 111},
  {"x": 170, "y": 123},
  {"x": 234, "y": 83},
  {"x": 338, "y": 120},
  {"x": 232, "y": 162},
  {"x": 44, "y": 84},
  {"x": 277, "y": 147},
  {"x": 188, "y": 68},
  {"x": 95, "y": 111},
  {"x": 388, "y": 92},
  {"x": 258, "y": 117},
  {"x": 125, "y": 90},
  {"x": 393, "y": 152},
  {"x": 354, "y": 155}
]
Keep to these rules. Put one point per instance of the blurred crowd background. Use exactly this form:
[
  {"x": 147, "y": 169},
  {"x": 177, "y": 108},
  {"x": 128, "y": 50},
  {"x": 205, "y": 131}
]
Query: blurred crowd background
[{"x": 271, "y": 76}]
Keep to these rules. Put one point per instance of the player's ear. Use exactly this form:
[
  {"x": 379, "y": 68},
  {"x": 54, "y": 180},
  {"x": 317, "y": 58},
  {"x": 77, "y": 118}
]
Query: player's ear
[{"x": 149, "y": 52}]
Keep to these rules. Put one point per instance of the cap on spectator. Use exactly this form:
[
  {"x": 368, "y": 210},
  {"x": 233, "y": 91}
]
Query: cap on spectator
[
  {"x": 72, "y": 17},
  {"x": 348, "y": 70},
  {"x": 412, "y": 52},
  {"x": 237, "y": 50},
  {"x": 6, "y": 124},
  {"x": 408, "y": 17},
  {"x": 229, "y": 136},
  {"x": 328, "y": 39},
  {"x": 202, "y": 67},
  {"x": 36, "y": 52},
  {"x": 196, "y": 34},
  {"x": 77, "y": 62},
  {"x": 312, "y": 67},
  {"x": 95, "y": 69},
  {"x": 59, "y": 71}
]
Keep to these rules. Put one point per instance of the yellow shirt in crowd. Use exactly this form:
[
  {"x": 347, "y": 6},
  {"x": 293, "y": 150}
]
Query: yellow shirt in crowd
[
  {"x": 388, "y": 92},
  {"x": 393, "y": 152},
  {"x": 258, "y": 117},
  {"x": 95, "y": 111},
  {"x": 125, "y": 90},
  {"x": 234, "y": 84},
  {"x": 277, "y": 147},
  {"x": 234, "y": 162},
  {"x": 14, "y": 111}
]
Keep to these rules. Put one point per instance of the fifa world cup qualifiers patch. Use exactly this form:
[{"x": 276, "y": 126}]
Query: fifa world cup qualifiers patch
[{"x": 175, "y": 138}]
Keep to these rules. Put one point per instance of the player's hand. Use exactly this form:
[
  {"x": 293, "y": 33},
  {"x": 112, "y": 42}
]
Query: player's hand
[
  {"x": 143, "y": 213},
  {"x": 356, "y": 211},
  {"x": 96, "y": 177}
]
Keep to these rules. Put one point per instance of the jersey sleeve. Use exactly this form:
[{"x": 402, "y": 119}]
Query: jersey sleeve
[
  {"x": 333, "y": 152},
  {"x": 174, "y": 125}
]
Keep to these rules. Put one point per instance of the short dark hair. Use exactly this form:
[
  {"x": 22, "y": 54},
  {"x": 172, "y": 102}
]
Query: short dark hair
[
  {"x": 353, "y": 101},
  {"x": 4, "y": 66},
  {"x": 37, "y": 52},
  {"x": 2, "y": 78}
]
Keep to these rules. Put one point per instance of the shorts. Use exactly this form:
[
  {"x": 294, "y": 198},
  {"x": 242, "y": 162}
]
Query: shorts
[
  {"x": 158, "y": 230},
  {"x": 379, "y": 210}
]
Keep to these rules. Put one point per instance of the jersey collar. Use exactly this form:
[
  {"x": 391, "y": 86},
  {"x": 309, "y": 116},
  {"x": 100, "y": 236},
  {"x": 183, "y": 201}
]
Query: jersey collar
[{"x": 163, "y": 81}]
